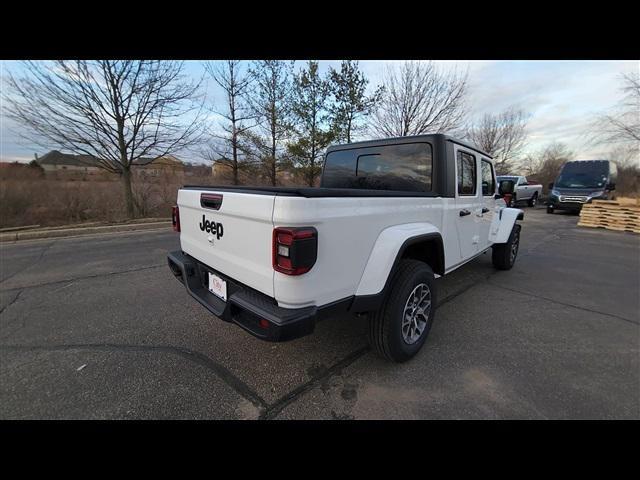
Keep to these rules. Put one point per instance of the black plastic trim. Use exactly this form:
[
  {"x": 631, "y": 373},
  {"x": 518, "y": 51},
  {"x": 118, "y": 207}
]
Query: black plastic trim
[
  {"x": 211, "y": 201},
  {"x": 245, "y": 306}
]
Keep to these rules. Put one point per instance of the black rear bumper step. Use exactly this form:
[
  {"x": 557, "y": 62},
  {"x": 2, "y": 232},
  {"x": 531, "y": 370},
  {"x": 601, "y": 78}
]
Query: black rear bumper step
[{"x": 245, "y": 306}]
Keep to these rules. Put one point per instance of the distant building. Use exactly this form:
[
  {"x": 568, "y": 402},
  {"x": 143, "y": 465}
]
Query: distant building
[
  {"x": 159, "y": 166},
  {"x": 196, "y": 170},
  {"x": 217, "y": 168},
  {"x": 56, "y": 161}
]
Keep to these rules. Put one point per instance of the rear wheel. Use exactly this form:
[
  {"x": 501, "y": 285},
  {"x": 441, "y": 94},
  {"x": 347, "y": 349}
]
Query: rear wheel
[
  {"x": 399, "y": 329},
  {"x": 504, "y": 254},
  {"x": 533, "y": 200}
]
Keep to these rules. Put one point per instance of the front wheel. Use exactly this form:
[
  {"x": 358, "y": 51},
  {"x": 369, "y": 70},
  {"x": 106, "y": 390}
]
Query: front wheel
[
  {"x": 504, "y": 254},
  {"x": 399, "y": 329}
]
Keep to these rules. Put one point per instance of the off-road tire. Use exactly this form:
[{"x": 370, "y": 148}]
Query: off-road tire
[
  {"x": 501, "y": 256},
  {"x": 533, "y": 200},
  {"x": 385, "y": 325}
]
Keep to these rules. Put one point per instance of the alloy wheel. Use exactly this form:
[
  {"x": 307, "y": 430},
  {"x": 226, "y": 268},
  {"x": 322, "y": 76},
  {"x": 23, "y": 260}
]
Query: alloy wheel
[{"x": 416, "y": 313}]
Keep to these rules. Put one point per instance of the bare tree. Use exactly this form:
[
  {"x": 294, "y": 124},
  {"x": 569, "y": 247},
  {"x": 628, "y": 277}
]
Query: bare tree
[
  {"x": 628, "y": 163},
  {"x": 419, "y": 98},
  {"x": 545, "y": 165},
  {"x": 502, "y": 136},
  {"x": 270, "y": 102},
  {"x": 229, "y": 148},
  {"x": 114, "y": 111},
  {"x": 622, "y": 125}
]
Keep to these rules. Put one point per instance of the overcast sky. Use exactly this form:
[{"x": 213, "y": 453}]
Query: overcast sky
[{"x": 561, "y": 97}]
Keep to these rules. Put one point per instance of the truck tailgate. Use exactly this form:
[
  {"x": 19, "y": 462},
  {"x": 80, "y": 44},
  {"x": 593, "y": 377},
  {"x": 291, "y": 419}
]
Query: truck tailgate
[{"x": 243, "y": 251}]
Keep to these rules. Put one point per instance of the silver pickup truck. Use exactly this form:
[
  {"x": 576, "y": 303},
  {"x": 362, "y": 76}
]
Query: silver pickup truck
[{"x": 523, "y": 190}]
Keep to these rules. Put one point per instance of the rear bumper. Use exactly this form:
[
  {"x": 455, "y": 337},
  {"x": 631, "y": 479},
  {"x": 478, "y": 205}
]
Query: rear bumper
[{"x": 244, "y": 307}]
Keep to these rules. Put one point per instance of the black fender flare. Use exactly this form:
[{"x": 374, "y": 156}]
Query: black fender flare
[{"x": 367, "y": 303}]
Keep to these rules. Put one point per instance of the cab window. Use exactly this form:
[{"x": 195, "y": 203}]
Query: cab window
[{"x": 399, "y": 167}]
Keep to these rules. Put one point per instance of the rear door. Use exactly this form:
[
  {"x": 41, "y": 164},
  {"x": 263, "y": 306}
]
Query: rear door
[
  {"x": 231, "y": 232},
  {"x": 468, "y": 201},
  {"x": 488, "y": 191}
]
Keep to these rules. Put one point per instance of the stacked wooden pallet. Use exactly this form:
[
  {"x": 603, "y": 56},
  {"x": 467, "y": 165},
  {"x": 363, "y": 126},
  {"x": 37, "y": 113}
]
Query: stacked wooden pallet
[{"x": 612, "y": 215}]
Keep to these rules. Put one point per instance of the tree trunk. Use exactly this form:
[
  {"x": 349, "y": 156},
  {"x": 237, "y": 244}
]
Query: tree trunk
[
  {"x": 128, "y": 193},
  {"x": 273, "y": 160},
  {"x": 234, "y": 147}
]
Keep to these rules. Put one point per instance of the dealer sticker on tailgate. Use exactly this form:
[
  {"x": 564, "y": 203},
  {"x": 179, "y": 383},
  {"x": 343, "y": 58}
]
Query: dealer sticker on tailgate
[{"x": 218, "y": 286}]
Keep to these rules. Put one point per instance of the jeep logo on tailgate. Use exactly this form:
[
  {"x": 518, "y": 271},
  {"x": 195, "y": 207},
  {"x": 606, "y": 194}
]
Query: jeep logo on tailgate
[{"x": 211, "y": 227}]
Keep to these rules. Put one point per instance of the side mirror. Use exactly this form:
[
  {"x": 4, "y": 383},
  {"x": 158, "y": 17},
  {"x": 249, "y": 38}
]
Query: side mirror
[
  {"x": 505, "y": 187},
  {"x": 550, "y": 185}
]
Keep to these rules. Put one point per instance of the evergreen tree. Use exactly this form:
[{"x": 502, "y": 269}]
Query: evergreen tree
[
  {"x": 348, "y": 87},
  {"x": 310, "y": 108}
]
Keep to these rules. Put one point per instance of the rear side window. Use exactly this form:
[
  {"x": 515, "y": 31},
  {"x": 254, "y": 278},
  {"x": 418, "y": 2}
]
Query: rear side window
[
  {"x": 402, "y": 167},
  {"x": 488, "y": 180},
  {"x": 467, "y": 176}
]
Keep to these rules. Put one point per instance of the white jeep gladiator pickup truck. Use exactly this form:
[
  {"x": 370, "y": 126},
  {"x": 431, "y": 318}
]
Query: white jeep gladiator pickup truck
[
  {"x": 390, "y": 215},
  {"x": 524, "y": 191}
]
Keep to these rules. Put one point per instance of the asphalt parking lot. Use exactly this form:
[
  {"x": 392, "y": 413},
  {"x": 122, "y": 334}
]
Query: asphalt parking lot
[{"x": 97, "y": 328}]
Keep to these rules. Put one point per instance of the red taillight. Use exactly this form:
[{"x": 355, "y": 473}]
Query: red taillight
[
  {"x": 175, "y": 218},
  {"x": 294, "y": 249}
]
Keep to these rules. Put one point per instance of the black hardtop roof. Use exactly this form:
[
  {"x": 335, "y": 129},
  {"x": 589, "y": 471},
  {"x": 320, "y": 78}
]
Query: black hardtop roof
[{"x": 407, "y": 139}]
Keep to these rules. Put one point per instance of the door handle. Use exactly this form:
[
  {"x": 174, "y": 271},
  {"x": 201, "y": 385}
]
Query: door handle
[
  {"x": 485, "y": 210},
  {"x": 464, "y": 213}
]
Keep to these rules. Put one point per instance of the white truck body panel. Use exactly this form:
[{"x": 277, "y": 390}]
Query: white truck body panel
[
  {"x": 244, "y": 252},
  {"x": 348, "y": 228},
  {"x": 384, "y": 253}
]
